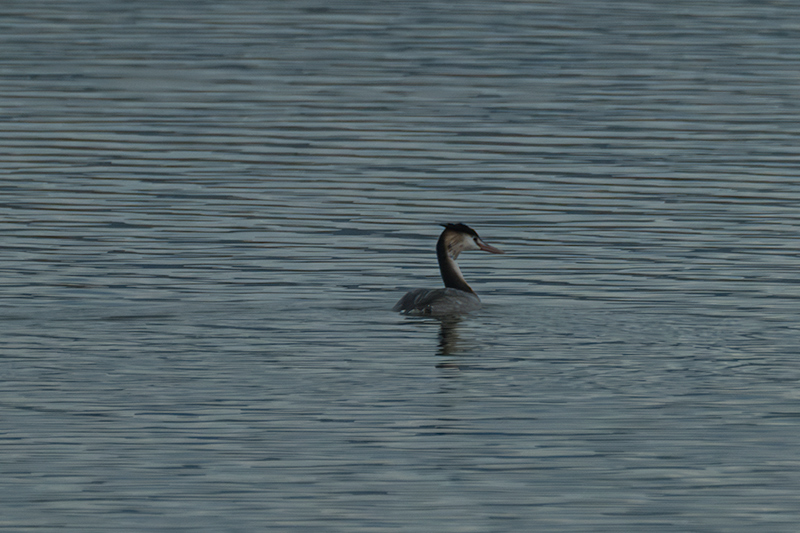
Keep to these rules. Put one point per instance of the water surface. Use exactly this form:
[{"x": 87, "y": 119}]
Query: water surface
[{"x": 208, "y": 214}]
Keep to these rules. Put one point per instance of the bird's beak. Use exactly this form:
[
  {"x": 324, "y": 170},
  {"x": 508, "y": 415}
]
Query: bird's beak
[{"x": 487, "y": 248}]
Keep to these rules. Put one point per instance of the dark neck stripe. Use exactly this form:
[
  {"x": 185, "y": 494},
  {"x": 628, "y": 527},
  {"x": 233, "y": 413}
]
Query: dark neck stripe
[{"x": 450, "y": 275}]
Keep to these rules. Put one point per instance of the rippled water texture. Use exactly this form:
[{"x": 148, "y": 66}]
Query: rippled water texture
[{"x": 208, "y": 211}]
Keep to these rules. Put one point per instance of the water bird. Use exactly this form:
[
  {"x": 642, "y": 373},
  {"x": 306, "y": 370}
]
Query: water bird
[{"x": 457, "y": 297}]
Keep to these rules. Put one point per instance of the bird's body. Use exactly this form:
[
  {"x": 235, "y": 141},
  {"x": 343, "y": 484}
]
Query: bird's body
[
  {"x": 457, "y": 297},
  {"x": 445, "y": 301}
]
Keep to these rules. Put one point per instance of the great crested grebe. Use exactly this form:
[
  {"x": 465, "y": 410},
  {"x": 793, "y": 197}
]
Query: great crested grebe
[{"x": 457, "y": 297}]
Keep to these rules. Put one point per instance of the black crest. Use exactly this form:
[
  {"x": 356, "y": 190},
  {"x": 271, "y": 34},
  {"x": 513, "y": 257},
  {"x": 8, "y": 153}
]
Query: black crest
[{"x": 460, "y": 228}]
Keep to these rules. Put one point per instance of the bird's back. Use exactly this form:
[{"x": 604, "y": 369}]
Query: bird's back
[{"x": 446, "y": 301}]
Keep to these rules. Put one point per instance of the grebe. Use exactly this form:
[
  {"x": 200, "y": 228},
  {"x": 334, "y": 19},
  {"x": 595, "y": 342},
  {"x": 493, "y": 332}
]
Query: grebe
[{"x": 457, "y": 297}]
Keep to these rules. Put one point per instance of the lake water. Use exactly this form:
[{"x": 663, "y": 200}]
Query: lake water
[{"x": 208, "y": 211}]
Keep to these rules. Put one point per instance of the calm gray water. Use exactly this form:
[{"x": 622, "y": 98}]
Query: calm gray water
[{"x": 208, "y": 211}]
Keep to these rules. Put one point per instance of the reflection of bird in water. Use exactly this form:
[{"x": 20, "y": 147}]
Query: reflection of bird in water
[
  {"x": 448, "y": 336},
  {"x": 457, "y": 297}
]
